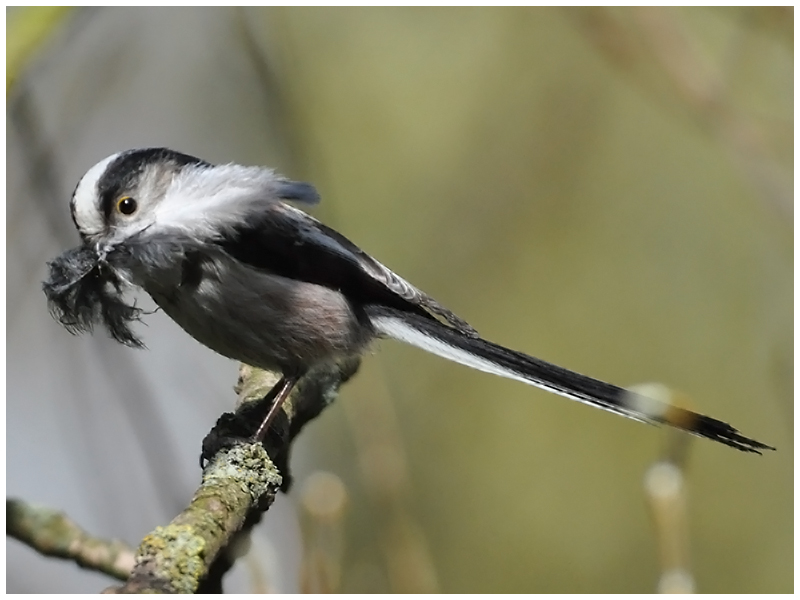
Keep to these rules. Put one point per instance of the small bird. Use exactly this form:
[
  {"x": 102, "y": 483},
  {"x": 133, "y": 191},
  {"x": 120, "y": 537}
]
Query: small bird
[{"x": 257, "y": 280}]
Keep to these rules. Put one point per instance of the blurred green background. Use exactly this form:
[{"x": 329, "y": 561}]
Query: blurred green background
[{"x": 607, "y": 189}]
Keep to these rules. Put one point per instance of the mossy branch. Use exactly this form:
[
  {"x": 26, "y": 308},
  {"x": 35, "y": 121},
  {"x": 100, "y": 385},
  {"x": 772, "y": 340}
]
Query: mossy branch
[
  {"x": 239, "y": 483},
  {"x": 177, "y": 557},
  {"x": 52, "y": 533}
]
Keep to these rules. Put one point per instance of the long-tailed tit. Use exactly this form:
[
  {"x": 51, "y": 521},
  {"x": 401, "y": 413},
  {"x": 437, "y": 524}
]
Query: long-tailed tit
[{"x": 262, "y": 282}]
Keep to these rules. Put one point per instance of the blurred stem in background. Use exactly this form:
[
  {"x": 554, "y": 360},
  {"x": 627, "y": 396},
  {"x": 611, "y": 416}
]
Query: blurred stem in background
[
  {"x": 665, "y": 491},
  {"x": 657, "y": 51},
  {"x": 27, "y": 29}
]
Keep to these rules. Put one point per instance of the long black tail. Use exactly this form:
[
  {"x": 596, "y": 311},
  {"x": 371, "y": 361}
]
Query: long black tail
[{"x": 482, "y": 355}]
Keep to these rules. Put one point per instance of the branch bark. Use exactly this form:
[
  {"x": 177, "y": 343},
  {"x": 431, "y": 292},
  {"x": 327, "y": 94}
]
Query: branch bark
[
  {"x": 239, "y": 483},
  {"x": 176, "y": 558},
  {"x": 52, "y": 533}
]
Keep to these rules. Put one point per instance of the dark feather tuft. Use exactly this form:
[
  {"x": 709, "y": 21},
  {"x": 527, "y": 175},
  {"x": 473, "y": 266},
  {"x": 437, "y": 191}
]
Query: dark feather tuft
[
  {"x": 82, "y": 292},
  {"x": 297, "y": 191}
]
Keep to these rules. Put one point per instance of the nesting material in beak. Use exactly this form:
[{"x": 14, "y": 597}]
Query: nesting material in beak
[{"x": 83, "y": 291}]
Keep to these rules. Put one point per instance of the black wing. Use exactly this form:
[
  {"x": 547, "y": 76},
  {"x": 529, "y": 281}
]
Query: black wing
[{"x": 287, "y": 242}]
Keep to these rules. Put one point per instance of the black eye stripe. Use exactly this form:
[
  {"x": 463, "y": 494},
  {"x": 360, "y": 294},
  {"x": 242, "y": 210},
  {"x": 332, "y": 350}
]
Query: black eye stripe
[{"x": 122, "y": 175}]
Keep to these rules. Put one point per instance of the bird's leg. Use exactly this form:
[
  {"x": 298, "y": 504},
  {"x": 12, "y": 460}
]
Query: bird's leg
[
  {"x": 235, "y": 428},
  {"x": 284, "y": 387}
]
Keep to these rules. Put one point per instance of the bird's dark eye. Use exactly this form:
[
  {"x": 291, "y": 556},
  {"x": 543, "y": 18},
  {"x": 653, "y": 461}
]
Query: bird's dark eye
[{"x": 126, "y": 205}]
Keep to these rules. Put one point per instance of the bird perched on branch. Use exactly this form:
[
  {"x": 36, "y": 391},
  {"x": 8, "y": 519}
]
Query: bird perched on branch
[{"x": 257, "y": 280}]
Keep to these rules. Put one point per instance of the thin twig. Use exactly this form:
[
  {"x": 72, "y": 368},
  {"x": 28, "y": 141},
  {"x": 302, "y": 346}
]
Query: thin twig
[
  {"x": 52, "y": 533},
  {"x": 665, "y": 491}
]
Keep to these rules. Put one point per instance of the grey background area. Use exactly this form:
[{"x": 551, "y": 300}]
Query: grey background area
[{"x": 607, "y": 189}]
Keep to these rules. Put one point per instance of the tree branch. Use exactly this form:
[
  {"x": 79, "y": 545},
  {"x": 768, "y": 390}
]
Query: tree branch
[
  {"x": 239, "y": 483},
  {"x": 176, "y": 558},
  {"x": 52, "y": 533}
]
